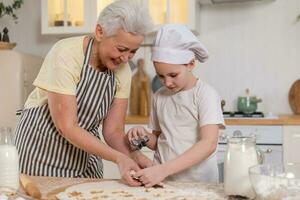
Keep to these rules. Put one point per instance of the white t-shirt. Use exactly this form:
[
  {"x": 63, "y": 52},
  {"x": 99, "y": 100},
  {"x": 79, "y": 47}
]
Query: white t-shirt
[{"x": 178, "y": 116}]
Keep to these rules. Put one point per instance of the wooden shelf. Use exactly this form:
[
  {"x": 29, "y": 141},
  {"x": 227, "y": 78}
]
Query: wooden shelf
[
  {"x": 7, "y": 45},
  {"x": 281, "y": 120}
]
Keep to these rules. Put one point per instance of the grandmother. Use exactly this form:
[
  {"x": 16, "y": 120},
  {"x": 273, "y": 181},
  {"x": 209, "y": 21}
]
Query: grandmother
[{"x": 84, "y": 82}]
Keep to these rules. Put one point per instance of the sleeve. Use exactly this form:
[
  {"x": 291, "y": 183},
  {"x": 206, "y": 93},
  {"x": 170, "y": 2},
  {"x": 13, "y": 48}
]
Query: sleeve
[
  {"x": 209, "y": 109},
  {"x": 153, "y": 120},
  {"x": 59, "y": 72},
  {"x": 123, "y": 81}
]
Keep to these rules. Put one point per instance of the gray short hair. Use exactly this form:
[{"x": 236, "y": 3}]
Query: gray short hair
[{"x": 129, "y": 15}]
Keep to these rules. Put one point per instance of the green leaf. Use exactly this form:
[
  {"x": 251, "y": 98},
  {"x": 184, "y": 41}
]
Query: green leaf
[
  {"x": 298, "y": 18},
  {"x": 11, "y": 9}
]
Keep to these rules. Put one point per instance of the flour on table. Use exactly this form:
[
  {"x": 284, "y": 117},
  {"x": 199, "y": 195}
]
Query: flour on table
[
  {"x": 116, "y": 190},
  {"x": 9, "y": 194}
]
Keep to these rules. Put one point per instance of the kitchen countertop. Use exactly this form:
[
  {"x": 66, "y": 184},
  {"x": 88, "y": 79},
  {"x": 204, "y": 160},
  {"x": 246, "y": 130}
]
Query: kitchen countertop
[
  {"x": 280, "y": 120},
  {"x": 49, "y": 184}
]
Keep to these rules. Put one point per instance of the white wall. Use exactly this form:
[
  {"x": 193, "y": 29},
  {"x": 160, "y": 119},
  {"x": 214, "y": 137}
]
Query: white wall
[{"x": 252, "y": 45}]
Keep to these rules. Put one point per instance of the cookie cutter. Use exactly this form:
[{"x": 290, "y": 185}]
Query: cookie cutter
[{"x": 138, "y": 144}]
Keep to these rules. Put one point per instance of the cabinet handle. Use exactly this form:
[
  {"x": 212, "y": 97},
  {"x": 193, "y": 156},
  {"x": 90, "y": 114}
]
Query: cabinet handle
[{"x": 268, "y": 150}]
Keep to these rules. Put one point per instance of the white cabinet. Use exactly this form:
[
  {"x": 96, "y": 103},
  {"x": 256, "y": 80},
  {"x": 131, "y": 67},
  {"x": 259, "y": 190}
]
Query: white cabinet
[
  {"x": 111, "y": 170},
  {"x": 70, "y": 16},
  {"x": 80, "y": 16},
  {"x": 17, "y": 72},
  {"x": 291, "y": 143},
  {"x": 172, "y": 11}
]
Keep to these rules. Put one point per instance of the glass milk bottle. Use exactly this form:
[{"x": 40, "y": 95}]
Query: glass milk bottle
[
  {"x": 9, "y": 160},
  {"x": 241, "y": 154}
]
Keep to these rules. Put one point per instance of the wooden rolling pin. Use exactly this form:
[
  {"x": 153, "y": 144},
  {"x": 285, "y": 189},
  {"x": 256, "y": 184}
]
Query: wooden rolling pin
[{"x": 30, "y": 187}]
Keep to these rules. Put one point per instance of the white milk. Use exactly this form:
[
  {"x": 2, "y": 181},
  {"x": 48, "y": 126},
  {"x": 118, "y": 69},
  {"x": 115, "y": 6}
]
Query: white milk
[
  {"x": 239, "y": 157},
  {"x": 9, "y": 166}
]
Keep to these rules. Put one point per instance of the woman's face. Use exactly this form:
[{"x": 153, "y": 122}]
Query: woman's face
[
  {"x": 118, "y": 49},
  {"x": 176, "y": 77}
]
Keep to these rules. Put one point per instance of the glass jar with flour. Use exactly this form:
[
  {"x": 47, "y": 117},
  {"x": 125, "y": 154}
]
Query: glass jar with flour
[
  {"x": 241, "y": 154},
  {"x": 9, "y": 160}
]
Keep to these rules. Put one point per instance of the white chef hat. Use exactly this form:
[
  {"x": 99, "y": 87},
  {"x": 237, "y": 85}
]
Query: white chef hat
[{"x": 176, "y": 44}]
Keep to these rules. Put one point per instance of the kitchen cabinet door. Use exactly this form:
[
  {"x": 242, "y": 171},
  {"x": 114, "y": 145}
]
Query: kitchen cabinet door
[
  {"x": 172, "y": 11},
  {"x": 291, "y": 143},
  {"x": 80, "y": 16},
  {"x": 70, "y": 16}
]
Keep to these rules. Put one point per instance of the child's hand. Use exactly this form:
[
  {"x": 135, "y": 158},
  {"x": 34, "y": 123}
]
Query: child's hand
[
  {"x": 152, "y": 175},
  {"x": 136, "y": 133}
]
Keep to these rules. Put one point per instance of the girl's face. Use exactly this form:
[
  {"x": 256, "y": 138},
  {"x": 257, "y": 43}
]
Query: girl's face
[
  {"x": 118, "y": 49},
  {"x": 176, "y": 77}
]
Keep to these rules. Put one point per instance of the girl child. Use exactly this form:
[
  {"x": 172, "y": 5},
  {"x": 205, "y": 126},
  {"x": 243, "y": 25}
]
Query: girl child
[{"x": 185, "y": 115}]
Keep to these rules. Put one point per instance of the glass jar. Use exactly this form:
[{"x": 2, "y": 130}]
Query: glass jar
[
  {"x": 241, "y": 154},
  {"x": 9, "y": 160}
]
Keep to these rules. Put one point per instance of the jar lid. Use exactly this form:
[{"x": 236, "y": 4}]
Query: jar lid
[{"x": 242, "y": 139}]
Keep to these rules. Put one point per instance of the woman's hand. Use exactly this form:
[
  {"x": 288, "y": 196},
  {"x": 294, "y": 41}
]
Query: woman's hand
[
  {"x": 142, "y": 160},
  {"x": 126, "y": 165},
  {"x": 152, "y": 175}
]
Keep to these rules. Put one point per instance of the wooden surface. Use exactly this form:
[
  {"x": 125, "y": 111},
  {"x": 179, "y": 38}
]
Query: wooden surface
[
  {"x": 51, "y": 195},
  {"x": 281, "y": 120},
  {"x": 139, "y": 95},
  {"x": 294, "y": 97},
  {"x": 7, "y": 45},
  {"x": 135, "y": 119},
  {"x": 50, "y": 186}
]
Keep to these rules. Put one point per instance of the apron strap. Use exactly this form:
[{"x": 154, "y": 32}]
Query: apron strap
[{"x": 88, "y": 51}]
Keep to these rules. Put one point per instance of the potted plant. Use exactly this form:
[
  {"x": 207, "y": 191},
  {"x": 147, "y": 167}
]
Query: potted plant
[{"x": 8, "y": 8}]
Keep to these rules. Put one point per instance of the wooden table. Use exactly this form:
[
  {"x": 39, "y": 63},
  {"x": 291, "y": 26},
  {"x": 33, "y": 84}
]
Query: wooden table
[{"x": 50, "y": 184}]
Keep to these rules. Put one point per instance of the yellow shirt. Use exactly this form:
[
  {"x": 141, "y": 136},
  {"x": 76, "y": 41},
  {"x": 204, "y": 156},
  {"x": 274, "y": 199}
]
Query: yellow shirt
[{"x": 61, "y": 70}]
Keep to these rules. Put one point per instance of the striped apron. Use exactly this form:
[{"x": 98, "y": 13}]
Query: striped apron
[{"x": 44, "y": 152}]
